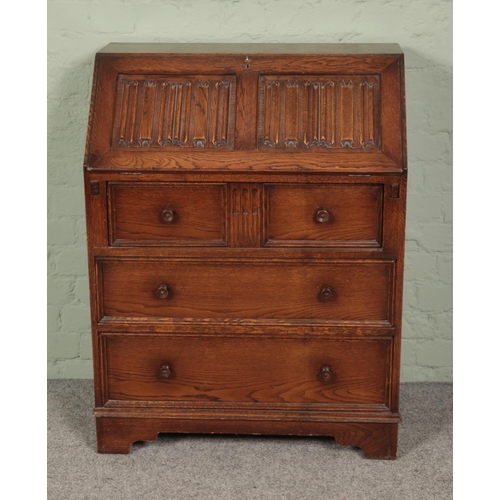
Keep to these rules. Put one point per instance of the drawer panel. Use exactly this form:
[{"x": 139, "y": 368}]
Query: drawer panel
[
  {"x": 331, "y": 215},
  {"x": 166, "y": 214},
  {"x": 146, "y": 367},
  {"x": 349, "y": 291}
]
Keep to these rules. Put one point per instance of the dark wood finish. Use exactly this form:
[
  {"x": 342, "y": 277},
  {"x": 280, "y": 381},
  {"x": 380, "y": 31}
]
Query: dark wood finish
[
  {"x": 171, "y": 112},
  {"x": 165, "y": 371},
  {"x": 324, "y": 215},
  {"x": 326, "y": 374},
  {"x": 358, "y": 110},
  {"x": 245, "y": 220},
  {"x": 167, "y": 214},
  {"x": 327, "y": 294},
  {"x": 247, "y": 369},
  {"x": 245, "y": 214},
  {"x": 319, "y": 113},
  {"x": 246, "y": 117},
  {"x": 376, "y": 440},
  {"x": 162, "y": 291},
  {"x": 344, "y": 161},
  {"x": 94, "y": 187},
  {"x": 356, "y": 291}
]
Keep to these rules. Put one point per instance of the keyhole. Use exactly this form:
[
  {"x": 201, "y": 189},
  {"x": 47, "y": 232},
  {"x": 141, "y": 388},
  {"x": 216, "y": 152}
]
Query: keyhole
[{"x": 247, "y": 63}]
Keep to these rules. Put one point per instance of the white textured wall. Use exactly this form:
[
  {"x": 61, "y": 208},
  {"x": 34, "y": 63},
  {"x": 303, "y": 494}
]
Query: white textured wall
[{"x": 77, "y": 29}]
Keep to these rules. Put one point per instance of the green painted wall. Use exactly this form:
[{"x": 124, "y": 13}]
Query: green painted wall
[{"x": 77, "y": 29}]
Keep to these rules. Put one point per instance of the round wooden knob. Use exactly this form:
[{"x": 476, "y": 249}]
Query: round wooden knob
[
  {"x": 322, "y": 215},
  {"x": 326, "y": 373},
  {"x": 165, "y": 371},
  {"x": 167, "y": 215},
  {"x": 326, "y": 294},
  {"x": 162, "y": 292}
]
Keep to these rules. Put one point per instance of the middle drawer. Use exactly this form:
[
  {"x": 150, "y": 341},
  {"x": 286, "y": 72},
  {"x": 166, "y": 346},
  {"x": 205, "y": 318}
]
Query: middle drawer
[{"x": 340, "y": 291}]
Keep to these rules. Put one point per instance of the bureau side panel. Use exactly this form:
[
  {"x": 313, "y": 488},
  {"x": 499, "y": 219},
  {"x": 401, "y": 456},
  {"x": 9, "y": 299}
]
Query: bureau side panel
[
  {"x": 398, "y": 206},
  {"x": 96, "y": 223}
]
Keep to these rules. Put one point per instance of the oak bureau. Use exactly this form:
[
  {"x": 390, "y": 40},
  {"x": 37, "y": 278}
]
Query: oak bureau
[{"x": 245, "y": 220}]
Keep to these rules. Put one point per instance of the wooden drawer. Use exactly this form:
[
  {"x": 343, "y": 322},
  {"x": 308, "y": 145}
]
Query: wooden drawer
[
  {"x": 331, "y": 215},
  {"x": 340, "y": 291},
  {"x": 166, "y": 214},
  {"x": 156, "y": 368}
]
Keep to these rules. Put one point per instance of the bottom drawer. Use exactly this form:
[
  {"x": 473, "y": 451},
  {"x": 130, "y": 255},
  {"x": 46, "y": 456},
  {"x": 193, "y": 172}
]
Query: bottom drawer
[{"x": 157, "y": 368}]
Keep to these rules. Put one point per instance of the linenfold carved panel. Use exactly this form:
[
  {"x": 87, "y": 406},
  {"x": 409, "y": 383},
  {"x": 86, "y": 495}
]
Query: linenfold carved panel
[
  {"x": 174, "y": 112},
  {"x": 245, "y": 202},
  {"x": 319, "y": 112}
]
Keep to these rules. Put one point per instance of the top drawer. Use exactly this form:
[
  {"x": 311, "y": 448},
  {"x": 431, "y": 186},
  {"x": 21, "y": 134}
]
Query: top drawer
[
  {"x": 324, "y": 215},
  {"x": 170, "y": 214},
  {"x": 166, "y": 214}
]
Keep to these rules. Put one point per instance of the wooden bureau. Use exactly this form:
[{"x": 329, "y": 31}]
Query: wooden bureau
[{"x": 245, "y": 221}]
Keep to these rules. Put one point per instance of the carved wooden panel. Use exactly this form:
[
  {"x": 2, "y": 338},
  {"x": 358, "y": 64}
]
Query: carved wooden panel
[
  {"x": 245, "y": 214},
  {"x": 319, "y": 112},
  {"x": 174, "y": 112}
]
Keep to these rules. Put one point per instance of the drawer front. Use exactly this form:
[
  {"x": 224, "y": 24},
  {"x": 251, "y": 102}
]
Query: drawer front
[
  {"x": 348, "y": 291},
  {"x": 167, "y": 214},
  {"x": 155, "y": 368},
  {"x": 340, "y": 215}
]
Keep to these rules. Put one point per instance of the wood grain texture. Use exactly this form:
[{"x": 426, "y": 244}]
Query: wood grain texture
[
  {"x": 278, "y": 371},
  {"x": 100, "y": 127},
  {"x": 352, "y": 213},
  {"x": 319, "y": 113},
  {"x": 248, "y": 289},
  {"x": 291, "y": 63},
  {"x": 245, "y": 215},
  {"x": 174, "y": 112},
  {"x": 138, "y": 214},
  {"x": 246, "y": 111},
  {"x": 165, "y": 102},
  {"x": 340, "y": 161},
  {"x": 245, "y": 219},
  {"x": 268, "y": 177},
  {"x": 377, "y": 440},
  {"x": 392, "y": 94}
]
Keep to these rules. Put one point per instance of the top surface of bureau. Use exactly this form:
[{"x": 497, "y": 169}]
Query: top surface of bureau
[{"x": 331, "y": 108}]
